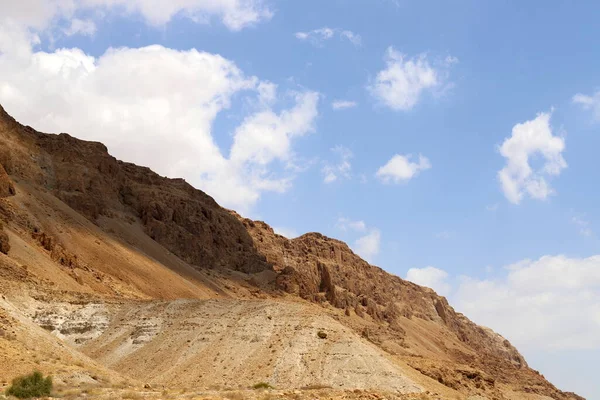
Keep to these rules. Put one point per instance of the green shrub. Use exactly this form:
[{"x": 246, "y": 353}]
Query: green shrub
[
  {"x": 262, "y": 385},
  {"x": 34, "y": 385}
]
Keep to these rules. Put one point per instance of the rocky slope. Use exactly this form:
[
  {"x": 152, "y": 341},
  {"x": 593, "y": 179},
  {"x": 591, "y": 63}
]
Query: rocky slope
[{"x": 82, "y": 228}]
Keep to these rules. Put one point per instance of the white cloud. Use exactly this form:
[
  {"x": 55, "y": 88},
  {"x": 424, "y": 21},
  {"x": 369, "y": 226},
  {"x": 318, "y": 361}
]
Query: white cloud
[
  {"x": 402, "y": 83},
  {"x": 550, "y": 304},
  {"x": 589, "y": 103},
  {"x": 400, "y": 169},
  {"x": 346, "y": 224},
  {"x": 81, "y": 27},
  {"x": 167, "y": 125},
  {"x": 528, "y": 139},
  {"x": 342, "y": 169},
  {"x": 267, "y": 93},
  {"x": 583, "y": 225},
  {"x": 286, "y": 232},
  {"x": 352, "y": 37},
  {"x": 368, "y": 246},
  {"x": 318, "y": 36},
  {"x": 430, "y": 277},
  {"x": 343, "y": 104},
  {"x": 40, "y": 14},
  {"x": 266, "y": 136}
]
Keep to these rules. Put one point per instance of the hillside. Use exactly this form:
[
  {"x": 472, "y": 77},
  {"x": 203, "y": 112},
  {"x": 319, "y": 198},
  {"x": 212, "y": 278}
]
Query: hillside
[{"x": 111, "y": 274}]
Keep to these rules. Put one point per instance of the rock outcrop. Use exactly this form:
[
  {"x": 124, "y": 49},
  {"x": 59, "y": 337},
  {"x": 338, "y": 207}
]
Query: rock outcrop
[
  {"x": 237, "y": 256},
  {"x": 186, "y": 221},
  {"x": 4, "y": 241},
  {"x": 7, "y": 188}
]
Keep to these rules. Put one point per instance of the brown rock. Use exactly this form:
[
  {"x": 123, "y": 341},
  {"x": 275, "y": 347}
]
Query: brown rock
[
  {"x": 192, "y": 226},
  {"x": 7, "y": 188},
  {"x": 4, "y": 243}
]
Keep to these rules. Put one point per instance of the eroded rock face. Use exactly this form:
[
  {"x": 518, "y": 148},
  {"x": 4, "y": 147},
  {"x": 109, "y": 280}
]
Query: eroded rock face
[
  {"x": 194, "y": 227},
  {"x": 85, "y": 176},
  {"x": 319, "y": 268},
  {"x": 7, "y": 188},
  {"x": 4, "y": 242}
]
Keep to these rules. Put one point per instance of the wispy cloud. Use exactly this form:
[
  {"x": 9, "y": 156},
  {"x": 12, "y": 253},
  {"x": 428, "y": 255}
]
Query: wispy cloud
[
  {"x": 319, "y": 36},
  {"x": 589, "y": 102},
  {"x": 341, "y": 169},
  {"x": 583, "y": 225},
  {"x": 343, "y": 104}
]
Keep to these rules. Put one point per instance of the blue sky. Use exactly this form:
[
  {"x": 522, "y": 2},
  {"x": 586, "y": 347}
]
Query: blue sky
[{"x": 387, "y": 124}]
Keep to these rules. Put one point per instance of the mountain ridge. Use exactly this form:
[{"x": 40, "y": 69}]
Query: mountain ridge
[{"x": 184, "y": 245}]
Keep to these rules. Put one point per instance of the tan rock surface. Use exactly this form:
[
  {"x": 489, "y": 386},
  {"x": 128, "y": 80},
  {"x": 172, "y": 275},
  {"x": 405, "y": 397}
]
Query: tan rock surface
[{"x": 111, "y": 266}]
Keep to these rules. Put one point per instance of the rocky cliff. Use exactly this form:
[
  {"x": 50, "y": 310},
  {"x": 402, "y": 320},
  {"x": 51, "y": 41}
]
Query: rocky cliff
[{"x": 167, "y": 222}]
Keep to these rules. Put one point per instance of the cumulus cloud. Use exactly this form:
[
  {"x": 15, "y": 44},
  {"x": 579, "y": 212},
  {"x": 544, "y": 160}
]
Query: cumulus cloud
[
  {"x": 552, "y": 303},
  {"x": 319, "y": 36},
  {"x": 400, "y": 169},
  {"x": 341, "y": 169},
  {"x": 266, "y": 136},
  {"x": 588, "y": 102},
  {"x": 529, "y": 139},
  {"x": 548, "y": 306},
  {"x": 430, "y": 277},
  {"x": 368, "y": 246},
  {"x": 167, "y": 125},
  {"x": 343, "y": 104},
  {"x": 402, "y": 83},
  {"x": 39, "y": 14}
]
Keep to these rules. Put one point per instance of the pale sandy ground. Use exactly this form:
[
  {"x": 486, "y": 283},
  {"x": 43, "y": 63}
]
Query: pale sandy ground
[
  {"x": 224, "y": 344},
  {"x": 206, "y": 349}
]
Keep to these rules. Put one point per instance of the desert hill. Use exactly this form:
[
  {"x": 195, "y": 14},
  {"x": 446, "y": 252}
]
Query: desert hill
[{"x": 113, "y": 276}]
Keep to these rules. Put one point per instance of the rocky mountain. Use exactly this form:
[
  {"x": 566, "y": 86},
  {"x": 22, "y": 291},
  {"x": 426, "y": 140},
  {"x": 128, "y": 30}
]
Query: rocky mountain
[{"x": 112, "y": 273}]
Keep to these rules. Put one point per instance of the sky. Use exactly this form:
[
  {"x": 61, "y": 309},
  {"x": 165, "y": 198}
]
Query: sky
[{"x": 451, "y": 143}]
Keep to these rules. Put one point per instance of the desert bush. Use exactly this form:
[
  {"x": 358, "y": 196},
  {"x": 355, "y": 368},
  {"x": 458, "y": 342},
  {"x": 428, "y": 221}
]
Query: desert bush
[
  {"x": 322, "y": 335},
  {"x": 262, "y": 385},
  {"x": 27, "y": 387}
]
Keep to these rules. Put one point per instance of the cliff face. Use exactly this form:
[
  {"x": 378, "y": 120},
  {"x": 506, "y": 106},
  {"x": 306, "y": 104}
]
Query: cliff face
[
  {"x": 408, "y": 321},
  {"x": 186, "y": 221},
  {"x": 320, "y": 269}
]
